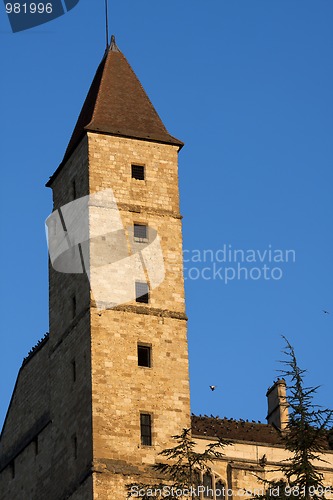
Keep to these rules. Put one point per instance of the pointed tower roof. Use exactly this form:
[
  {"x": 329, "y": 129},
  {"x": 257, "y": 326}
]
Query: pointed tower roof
[{"x": 117, "y": 104}]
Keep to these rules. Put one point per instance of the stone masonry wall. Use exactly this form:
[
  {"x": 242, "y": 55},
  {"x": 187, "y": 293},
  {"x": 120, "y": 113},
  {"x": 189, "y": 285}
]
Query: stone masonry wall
[
  {"x": 25, "y": 440},
  {"x": 120, "y": 388},
  {"x": 242, "y": 468}
]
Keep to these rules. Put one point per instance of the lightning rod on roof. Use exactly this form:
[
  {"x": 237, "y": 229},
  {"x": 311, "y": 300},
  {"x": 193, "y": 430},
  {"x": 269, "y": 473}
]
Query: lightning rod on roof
[{"x": 107, "y": 23}]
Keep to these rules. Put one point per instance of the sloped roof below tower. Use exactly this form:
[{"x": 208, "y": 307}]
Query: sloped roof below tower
[
  {"x": 241, "y": 430},
  {"x": 238, "y": 430}
]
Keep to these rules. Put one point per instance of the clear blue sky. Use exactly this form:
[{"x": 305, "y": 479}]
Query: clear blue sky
[{"x": 247, "y": 85}]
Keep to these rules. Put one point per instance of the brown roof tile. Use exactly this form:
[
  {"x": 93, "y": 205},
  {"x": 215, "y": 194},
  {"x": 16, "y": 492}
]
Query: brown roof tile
[
  {"x": 238, "y": 430},
  {"x": 117, "y": 104}
]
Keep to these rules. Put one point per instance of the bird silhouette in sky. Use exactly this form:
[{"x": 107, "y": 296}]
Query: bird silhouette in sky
[
  {"x": 326, "y": 312},
  {"x": 212, "y": 387}
]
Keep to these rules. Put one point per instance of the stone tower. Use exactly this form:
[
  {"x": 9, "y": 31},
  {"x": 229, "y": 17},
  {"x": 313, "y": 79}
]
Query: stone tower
[{"x": 102, "y": 394}]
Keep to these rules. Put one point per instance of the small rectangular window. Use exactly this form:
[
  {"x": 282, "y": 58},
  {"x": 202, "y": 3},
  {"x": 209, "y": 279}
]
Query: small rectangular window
[
  {"x": 145, "y": 426},
  {"x": 138, "y": 172},
  {"x": 140, "y": 233},
  {"x": 144, "y": 355},
  {"x": 141, "y": 292}
]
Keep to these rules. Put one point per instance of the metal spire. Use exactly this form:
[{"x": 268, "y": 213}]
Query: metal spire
[{"x": 107, "y": 23}]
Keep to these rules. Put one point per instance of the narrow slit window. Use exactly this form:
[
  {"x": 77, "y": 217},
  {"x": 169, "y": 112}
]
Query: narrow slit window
[
  {"x": 141, "y": 292},
  {"x": 74, "y": 439},
  {"x": 73, "y": 363},
  {"x": 144, "y": 355},
  {"x": 73, "y": 306},
  {"x": 219, "y": 490},
  {"x": 74, "y": 189},
  {"x": 196, "y": 483},
  {"x": 12, "y": 469},
  {"x": 140, "y": 233},
  {"x": 138, "y": 172},
  {"x": 208, "y": 485},
  {"x": 145, "y": 425},
  {"x": 36, "y": 445}
]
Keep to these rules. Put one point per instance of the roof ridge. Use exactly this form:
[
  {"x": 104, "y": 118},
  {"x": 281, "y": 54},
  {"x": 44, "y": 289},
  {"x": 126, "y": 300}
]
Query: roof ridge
[
  {"x": 36, "y": 348},
  {"x": 105, "y": 57}
]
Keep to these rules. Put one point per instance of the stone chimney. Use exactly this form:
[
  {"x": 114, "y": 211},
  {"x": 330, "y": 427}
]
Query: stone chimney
[{"x": 277, "y": 405}]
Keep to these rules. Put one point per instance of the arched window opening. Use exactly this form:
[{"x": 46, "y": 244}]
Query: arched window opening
[
  {"x": 208, "y": 485},
  {"x": 219, "y": 490},
  {"x": 196, "y": 482}
]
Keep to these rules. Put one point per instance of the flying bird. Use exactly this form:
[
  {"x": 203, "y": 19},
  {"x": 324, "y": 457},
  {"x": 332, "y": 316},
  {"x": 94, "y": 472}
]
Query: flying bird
[
  {"x": 212, "y": 387},
  {"x": 325, "y": 312}
]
